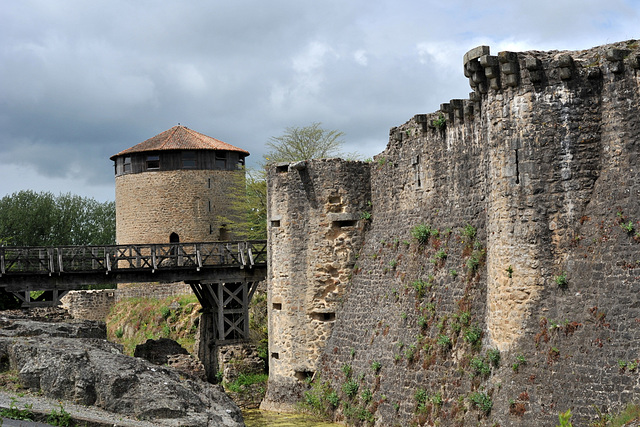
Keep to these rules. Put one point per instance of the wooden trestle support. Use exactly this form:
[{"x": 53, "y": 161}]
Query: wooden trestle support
[{"x": 224, "y": 318}]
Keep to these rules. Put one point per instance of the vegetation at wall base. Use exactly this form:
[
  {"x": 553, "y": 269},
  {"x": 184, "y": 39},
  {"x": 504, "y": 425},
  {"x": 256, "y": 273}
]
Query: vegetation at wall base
[
  {"x": 135, "y": 320},
  {"x": 60, "y": 418},
  {"x": 15, "y": 413}
]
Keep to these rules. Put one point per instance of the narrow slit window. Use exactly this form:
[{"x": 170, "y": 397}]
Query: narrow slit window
[
  {"x": 275, "y": 355},
  {"x": 304, "y": 375},
  {"x": 418, "y": 171},
  {"x": 345, "y": 223},
  {"x": 517, "y": 168},
  {"x": 275, "y": 223},
  {"x": 323, "y": 317},
  {"x": 277, "y": 306}
]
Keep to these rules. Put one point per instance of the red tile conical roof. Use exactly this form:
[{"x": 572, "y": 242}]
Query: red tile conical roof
[{"x": 179, "y": 138}]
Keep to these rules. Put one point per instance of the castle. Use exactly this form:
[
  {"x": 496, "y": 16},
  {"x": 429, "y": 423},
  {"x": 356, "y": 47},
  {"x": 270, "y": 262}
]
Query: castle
[
  {"x": 483, "y": 269},
  {"x": 175, "y": 187}
]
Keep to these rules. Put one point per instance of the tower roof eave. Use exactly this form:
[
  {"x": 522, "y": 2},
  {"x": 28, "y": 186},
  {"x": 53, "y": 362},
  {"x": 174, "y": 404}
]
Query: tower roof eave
[{"x": 179, "y": 138}]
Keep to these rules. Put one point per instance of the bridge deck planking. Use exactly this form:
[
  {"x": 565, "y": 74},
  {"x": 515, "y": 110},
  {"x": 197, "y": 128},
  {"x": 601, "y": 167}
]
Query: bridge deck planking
[
  {"x": 15, "y": 261},
  {"x": 57, "y": 270}
]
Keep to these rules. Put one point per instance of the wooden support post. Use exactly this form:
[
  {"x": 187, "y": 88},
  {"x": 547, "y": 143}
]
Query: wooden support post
[
  {"x": 219, "y": 292},
  {"x": 61, "y": 269},
  {"x": 154, "y": 260},
  {"x": 207, "y": 349},
  {"x": 245, "y": 309}
]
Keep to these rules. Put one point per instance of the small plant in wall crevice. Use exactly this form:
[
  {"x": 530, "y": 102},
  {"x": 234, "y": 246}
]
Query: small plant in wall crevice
[
  {"x": 509, "y": 271},
  {"x": 440, "y": 123},
  {"x": 561, "y": 280}
]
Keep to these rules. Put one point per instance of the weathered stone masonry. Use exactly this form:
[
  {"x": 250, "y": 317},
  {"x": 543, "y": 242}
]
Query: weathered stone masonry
[
  {"x": 151, "y": 205},
  {"x": 96, "y": 304},
  {"x": 541, "y": 162},
  {"x": 315, "y": 232}
]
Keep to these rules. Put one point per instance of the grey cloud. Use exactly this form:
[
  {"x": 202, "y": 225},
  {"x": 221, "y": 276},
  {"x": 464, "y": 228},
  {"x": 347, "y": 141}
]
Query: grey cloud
[{"x": 81, "y": 81}]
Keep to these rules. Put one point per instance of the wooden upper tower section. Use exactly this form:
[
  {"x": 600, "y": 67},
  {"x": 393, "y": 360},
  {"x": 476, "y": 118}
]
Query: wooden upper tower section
[{"x": 179, "y": 148}]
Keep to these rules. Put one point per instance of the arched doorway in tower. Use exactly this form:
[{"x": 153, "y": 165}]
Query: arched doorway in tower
[{"x": 174, "y": 239}]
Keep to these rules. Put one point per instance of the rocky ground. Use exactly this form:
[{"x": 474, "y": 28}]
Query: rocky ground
[{"x": 56, "y": 359}]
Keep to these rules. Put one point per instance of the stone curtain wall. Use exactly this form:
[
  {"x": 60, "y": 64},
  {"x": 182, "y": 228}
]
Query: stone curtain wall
[
  {"x": 96, "y": 304},
  {"x": 315, "y": 232},
  {"x": 89, "y": 305},
  {"x": 529, "y": 191},
  {"x": 152, "y": 205}
]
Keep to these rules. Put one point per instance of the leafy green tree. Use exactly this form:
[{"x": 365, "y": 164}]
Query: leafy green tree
[
  {"x": 28, "y": 218},
  {"x": 248, "y": 217},
  {"x": 302, "y": 143}
]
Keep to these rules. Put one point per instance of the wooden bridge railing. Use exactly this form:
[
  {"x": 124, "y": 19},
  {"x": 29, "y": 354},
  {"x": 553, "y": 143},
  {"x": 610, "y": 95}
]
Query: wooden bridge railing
[{"x": 92, "y": 259}]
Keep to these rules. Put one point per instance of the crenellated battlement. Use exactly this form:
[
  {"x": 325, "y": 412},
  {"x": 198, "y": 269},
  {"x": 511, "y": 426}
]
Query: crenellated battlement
[{"x": 490, "y": 75}]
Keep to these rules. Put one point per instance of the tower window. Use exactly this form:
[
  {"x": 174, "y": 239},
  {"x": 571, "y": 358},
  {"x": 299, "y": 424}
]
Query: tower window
[
  {"x": 189, "y": 160},
  {"x": 153, "y": 162},
  {"x": 127, "y": 165},
  {"x": 221, "y": 159}
]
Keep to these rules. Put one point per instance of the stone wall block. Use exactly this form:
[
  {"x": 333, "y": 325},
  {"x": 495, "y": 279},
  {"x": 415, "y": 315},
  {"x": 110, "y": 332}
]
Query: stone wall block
[
  {"x": 511, "y": 80},
  {"x": 614, "y": 55},
  {"x": 457, "y": 106},
  {"x": 532, "y": 64},
  {"x": 475, "y": 53},
  {"x": 509, "y": 68},
  {"x": 491, "y": 71},
  {"x": 506, "y": 57},
  {"x": 468, "y": 109},
  {"x": 565, "y": 66}
]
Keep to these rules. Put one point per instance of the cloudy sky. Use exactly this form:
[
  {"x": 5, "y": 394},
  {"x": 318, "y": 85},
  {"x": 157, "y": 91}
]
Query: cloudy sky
[{"x": 82, "y": 80}]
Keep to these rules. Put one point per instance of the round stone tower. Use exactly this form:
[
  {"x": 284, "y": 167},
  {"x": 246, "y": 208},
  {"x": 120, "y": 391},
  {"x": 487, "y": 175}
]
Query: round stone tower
[{"x": 175, "y": 187}]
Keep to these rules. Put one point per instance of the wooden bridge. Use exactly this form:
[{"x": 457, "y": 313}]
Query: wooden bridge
[{"x": 223, "y": 275}]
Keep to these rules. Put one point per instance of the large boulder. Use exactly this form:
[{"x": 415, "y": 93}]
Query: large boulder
[
  {"x": 93, "y": 371},
  {"x": 158, "y": 351}
]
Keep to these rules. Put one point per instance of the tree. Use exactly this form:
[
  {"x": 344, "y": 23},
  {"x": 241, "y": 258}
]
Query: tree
[
  {"x": 302, "y": 143},
  {"x": 247, "y": 216},
  {"x": 248, "y": 205},
  {"x": 28, "y": 218}
]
